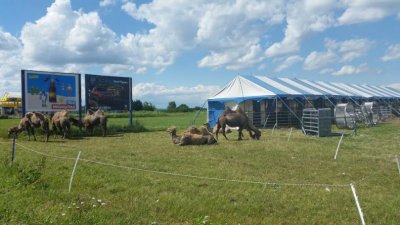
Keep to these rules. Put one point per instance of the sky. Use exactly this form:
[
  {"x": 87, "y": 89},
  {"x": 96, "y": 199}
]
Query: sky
[{"x": 186, "y": 51}]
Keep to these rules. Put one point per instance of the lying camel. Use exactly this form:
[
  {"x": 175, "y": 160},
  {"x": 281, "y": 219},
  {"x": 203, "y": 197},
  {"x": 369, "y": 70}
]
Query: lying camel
[
  {"x": 239, "y": 119},
  {"x": 190, "y": 138},
  {"x": 175, "y": 138},
  {"x": 93, "y": 119}
]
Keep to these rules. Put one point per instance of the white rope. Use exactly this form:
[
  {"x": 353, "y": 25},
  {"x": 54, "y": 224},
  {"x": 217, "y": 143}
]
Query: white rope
[
  {"x": 398, "y": 163},
  {"x": 353, "y": 189},
  {"x": 193, "y": 176},
  {"x": 41, "y": 153},
  {"x": 338, "y": 146},
  {"x": 273, "y": 128},
  {"x": 5, "y": 142},
  {"x": 73, "y": 172}
]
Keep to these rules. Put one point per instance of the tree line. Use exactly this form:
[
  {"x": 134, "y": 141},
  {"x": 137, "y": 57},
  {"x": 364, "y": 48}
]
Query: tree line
[{"x": 138, "y": 105}]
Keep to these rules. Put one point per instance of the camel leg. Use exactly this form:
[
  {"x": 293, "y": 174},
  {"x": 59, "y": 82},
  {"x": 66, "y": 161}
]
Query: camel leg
[
  {"x": 223, "y": 130},
  {"x": 218, "y": 127},
  {"x": 240, "y": 133},
  {"x": 33, "y": 133}
]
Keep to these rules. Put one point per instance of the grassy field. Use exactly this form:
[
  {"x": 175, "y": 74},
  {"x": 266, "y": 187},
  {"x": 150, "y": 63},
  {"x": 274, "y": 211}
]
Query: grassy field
[{"x": 142, "y": 178}]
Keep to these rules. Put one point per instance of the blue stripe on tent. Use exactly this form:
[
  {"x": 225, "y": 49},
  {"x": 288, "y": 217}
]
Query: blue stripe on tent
[
  {"x": 293, "y": 87},
  {"x": 381, "y": 91},
  {"x": 279, "y": 92},
  {"x": 369, "y": 91},
  {"x": 266, "y": 86},
  {"x": 314, "y": 88}
]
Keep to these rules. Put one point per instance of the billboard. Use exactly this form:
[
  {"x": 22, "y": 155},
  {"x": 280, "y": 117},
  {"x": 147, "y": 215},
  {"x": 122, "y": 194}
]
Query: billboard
[
  {"x": 108, "y": 92},
  {"x": 50, "y": 91}
]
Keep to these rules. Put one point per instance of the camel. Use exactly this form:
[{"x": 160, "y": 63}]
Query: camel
[
  {"x": 24, "y": 124},
  {"x": 61, "y": 121},
  {"x": 214, "y": 130},
  {"x": 36, "y": 120},
  {"x": 239, "y": 119},
  {"x": 93, "y": 119},
  {"x": 188, "y": 138},
  {"x": 175, "y": 138}
]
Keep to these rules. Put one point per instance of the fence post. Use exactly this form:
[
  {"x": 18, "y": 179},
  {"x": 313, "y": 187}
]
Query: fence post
[
  {"x": 290, "y": 134},
  {"x": 73, "y": 172},
  {"x": 353, "y": 189},
  {"x": 13, "y": 150},
  {"x": 338, "y": 146}
]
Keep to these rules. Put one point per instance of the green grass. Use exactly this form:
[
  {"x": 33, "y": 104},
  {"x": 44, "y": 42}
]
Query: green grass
[{"x": 146, "y": 187}]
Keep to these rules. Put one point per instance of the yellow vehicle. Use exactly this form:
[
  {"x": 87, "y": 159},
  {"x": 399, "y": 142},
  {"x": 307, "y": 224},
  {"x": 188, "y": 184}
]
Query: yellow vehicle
[{"x": 10, "y": 104}]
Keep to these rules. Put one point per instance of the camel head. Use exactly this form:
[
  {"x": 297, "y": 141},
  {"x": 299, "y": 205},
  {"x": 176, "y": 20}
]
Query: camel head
[
  {"x": 12, "y": 130},
  {"x": 172, "y": 130}
]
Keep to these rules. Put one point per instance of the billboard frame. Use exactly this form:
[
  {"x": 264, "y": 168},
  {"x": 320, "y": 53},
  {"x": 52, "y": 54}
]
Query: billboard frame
[
  {"x": 129, "y": 91},
  {"x": 24, "y": 74}
]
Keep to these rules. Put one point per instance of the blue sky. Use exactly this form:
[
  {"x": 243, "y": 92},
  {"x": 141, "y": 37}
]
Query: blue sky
[{"x": 187, "y": 50}]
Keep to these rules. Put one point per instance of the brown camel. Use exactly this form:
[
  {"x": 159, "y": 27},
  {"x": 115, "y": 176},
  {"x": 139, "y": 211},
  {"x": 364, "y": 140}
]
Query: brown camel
[
  {"x": 36, "y": 120},
  {"x": 24, "y": 124},
  {"x": 239, "y": 119},
  {"x": 93, "y": 119},
  {"x": 60, "y": 121}
]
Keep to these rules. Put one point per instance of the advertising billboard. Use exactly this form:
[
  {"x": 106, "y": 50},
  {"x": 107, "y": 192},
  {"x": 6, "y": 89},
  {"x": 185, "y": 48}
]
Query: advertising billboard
[
  {"x": 108, "y": 92},
  {"x": 50, "y": 91}
]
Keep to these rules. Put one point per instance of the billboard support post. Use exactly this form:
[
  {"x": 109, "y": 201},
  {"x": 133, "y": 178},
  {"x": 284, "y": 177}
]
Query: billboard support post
[{"x": 130, "y": 104}]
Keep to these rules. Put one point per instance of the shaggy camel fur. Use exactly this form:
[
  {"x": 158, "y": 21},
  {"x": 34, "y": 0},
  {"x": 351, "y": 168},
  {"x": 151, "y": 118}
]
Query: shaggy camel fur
[
  {"x": 60, "y": 121},
  {"x": 24, "y": 124},
  {"x": 214, "y": 130},
  {"x": 190, "y": 138},
  {"x": 93, "y": 119},
  {"x": 175, "y": 138},
  {"x": 36, "y": 120},
  {"x": 239, "y": 119}
]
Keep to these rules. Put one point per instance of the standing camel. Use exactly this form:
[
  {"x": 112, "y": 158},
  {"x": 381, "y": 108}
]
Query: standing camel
[
  {"x": 36, "y": 120},
  {"x": 93, "y": 119},
  {"x": 239, "y": 119}
]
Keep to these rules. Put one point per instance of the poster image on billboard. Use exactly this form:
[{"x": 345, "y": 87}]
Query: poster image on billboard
[
  {"x": 50, "y": 91},
  {"x": 108, "y": 92}
]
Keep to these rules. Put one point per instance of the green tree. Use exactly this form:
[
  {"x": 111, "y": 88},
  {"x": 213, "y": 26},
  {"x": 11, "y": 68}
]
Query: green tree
[
  {"x": 183, "y": 108},
  {"x": 171, "y": 106},
  {"x": 137, "y": 105},
  {"x": 148, "y": 106}
]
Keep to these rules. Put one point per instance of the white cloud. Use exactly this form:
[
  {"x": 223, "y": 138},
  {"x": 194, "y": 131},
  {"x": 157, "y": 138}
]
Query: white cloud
[
  {"x": 337, "y": 52},
  {"x": 318, "y": 60},
  {"x": 105, "y": 3},
  {"x": 395, "y": 85},
  {"x": 392, "y": 53},
  {"x": 303, "y": 17},
  {"x": 350, "y": 49},
  {"x": 160, "y": 94},
  {"x": 7, "y": 41},
  {"x": 289, "y": 61},
  {"x": 11, "y": 62},
  {"x": 360, "y": 11},
  {"x": 65, "y": 36},
  {"x": 229, "y": 32},
  {"x": 351, "y": 70}
]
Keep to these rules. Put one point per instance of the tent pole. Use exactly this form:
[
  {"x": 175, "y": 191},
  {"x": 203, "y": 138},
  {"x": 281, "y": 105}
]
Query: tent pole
[
  {"x": 276, "y": 111},
  {"x": 301, "y": 122}
]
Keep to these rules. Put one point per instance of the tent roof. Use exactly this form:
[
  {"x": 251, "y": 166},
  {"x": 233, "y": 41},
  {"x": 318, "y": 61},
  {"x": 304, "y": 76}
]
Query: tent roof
[
  {"x": 258, "y": 87},
  {"x": 241, "y": 87}
]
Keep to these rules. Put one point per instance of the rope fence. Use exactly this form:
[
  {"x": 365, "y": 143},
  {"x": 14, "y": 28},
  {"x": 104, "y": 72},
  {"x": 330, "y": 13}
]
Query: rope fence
[
  {"x": 263, "y": 183},
  {"x": 185, "y": 175}
]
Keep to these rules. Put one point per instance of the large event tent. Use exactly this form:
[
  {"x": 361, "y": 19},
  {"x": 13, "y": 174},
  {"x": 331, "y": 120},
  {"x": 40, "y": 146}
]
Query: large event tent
[{"x": 272, "y": 101}]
